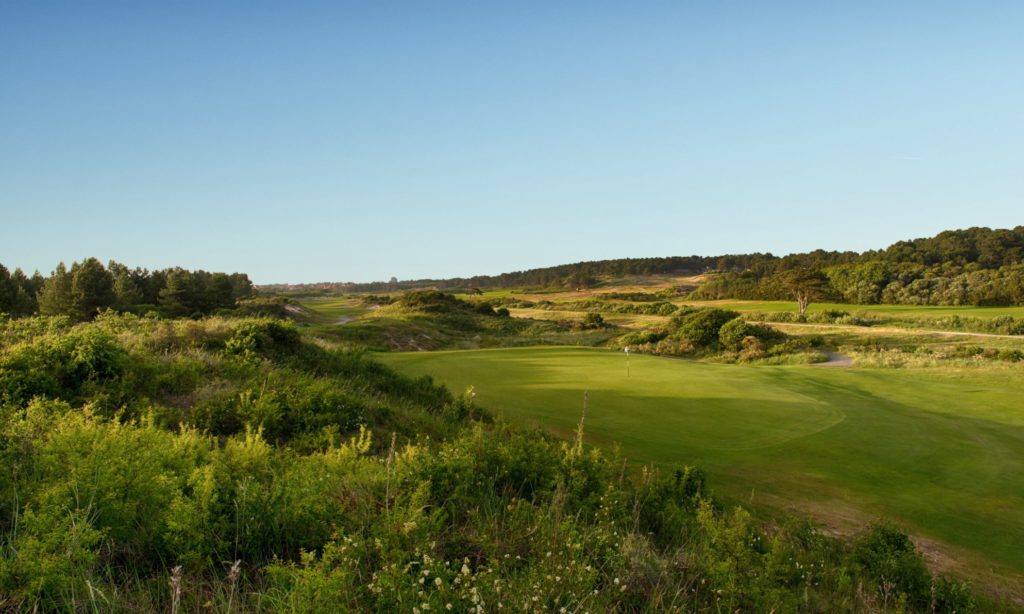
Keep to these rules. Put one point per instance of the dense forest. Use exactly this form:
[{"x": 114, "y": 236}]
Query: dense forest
[
  {"x": 88, "y": 288},
  {"x": 231, "y": 465},
  {"x": 976, "y": 266}
]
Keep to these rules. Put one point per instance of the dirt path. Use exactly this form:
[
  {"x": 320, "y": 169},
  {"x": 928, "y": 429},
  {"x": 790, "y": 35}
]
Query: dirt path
[
  {"x": 835, "y": 359},
  {"x": 964, "y": 334},
  {"x": 343, "y": 320}
]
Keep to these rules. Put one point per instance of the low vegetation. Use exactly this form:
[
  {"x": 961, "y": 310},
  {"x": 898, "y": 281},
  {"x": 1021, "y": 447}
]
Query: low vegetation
[{"x": 230, "y": 464}]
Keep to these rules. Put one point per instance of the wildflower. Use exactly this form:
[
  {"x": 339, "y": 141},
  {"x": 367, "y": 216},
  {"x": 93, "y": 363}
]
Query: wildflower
[{"x": 465, "y": 569}]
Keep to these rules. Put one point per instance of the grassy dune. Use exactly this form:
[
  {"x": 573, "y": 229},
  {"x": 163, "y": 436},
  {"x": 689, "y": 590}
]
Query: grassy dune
[{"x": 937, "y": 450}]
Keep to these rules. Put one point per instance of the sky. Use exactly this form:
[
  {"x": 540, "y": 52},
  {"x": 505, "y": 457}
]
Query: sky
[{"x": 356, "y": 141}]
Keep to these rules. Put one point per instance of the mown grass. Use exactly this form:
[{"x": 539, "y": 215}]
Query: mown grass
[
  {"x": 337, "y": 308},
  {"x": 938, "y": 450}
]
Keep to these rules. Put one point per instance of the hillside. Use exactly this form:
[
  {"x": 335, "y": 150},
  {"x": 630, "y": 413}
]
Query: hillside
[{"x": 976, "y": 266}]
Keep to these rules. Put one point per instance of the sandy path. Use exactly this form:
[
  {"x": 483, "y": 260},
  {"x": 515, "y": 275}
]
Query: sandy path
[{"x": 835, "y": 359}]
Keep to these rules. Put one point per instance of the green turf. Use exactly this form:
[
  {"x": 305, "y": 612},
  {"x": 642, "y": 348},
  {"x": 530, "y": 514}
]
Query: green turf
[
  {"x": 940, "y": 451},
  {"x": 343, "y": 307}
]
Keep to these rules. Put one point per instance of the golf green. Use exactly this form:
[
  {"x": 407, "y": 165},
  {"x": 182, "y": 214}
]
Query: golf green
[{"x": 939, "y": 451}]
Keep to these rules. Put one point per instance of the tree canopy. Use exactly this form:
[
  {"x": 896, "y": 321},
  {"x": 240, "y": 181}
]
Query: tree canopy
[{"x": 89, "y": 287}]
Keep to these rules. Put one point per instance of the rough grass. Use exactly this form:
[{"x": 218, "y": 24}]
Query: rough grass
[
  {"x": 882, "y": 310},
  {"x": 938, "y": 450}
]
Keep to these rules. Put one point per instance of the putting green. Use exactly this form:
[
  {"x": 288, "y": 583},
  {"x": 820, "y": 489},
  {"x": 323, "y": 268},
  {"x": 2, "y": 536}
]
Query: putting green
[{"x": 940, "y": 451}]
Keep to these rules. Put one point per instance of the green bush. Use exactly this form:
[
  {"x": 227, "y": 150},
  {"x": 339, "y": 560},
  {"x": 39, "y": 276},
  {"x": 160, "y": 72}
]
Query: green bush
[
  {"x": 65, "y": 365},
  {"x": 889, "y": 558},
  {"x": 640, "y": 338},
  {"x": 953, "y": 597},
  {"x": 252, "y": 339},
  {"x": 433, "y": 301},
  {"x": 701, "y": 327},
  {"x": 733, "y": 332}
]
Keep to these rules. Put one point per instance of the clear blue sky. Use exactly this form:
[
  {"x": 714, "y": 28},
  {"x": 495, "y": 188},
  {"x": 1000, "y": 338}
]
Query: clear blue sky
[{"x": 304, "y": 141}]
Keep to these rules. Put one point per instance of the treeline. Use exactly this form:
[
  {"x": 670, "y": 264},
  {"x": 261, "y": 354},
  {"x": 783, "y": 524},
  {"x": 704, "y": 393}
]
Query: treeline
[
  {"x": 88, "y": 288},
  {"x": 580, "y": 274},
  {"x": 883, "y": 282},
  {"x": 976, "y": 266}
]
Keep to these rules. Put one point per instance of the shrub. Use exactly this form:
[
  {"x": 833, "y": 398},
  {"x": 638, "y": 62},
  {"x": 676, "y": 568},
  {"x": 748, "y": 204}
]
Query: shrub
[
  {"x": 254, "y": 339},
  {"x": 60, "y": 365},
  {"x": 640, "y": 338},
  {"x": 433, "y": 301},
  {"x": 888, "y": 556},
  {"x": 54, "y": 554},
  {"x": 673, "y": 347},
  {"x": 732, "y": 334},
  {"x": 701, "y": 327},
  {"x": 1011, "y": 355},
  {"x": 953, "y": 596},
  {"x": 484, "y": 308}
]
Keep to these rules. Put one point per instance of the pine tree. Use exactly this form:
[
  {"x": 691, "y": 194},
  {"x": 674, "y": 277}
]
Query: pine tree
[
  {"x": 13, "y": 300},
  {"x": 126, "y": 291},
  {"x": 28, "y": 288},
  {"x": 180, "y": 296},
  {"x": 92, "y": 289},
  {"x": 55, "y": 295}
]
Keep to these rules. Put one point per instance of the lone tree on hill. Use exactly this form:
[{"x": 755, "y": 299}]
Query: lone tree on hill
[{"x": 806, "y": 285}]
